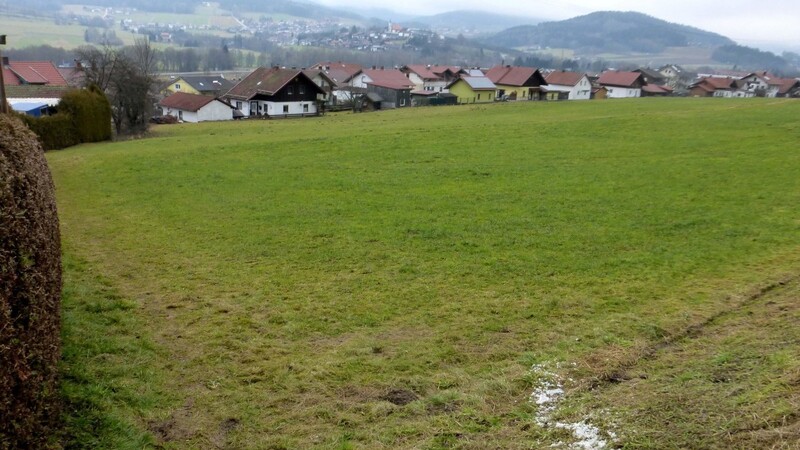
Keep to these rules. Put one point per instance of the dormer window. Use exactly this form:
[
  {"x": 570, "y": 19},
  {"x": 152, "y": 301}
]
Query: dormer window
[{"x": 177, "y": 86}]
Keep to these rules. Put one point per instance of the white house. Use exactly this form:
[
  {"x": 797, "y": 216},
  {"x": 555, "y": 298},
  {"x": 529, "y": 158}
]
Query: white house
[
  {"x": 622, "y": 84},
  {"x": 424, "y": 79},
  {"x": 576, "y": 84},
  {"x": 196, "y": 108}
]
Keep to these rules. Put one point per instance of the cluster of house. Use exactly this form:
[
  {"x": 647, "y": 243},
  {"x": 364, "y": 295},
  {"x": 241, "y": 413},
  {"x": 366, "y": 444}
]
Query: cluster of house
[
  {"x": 35, "y": 87},
  {"x": 284, "y": 92}
]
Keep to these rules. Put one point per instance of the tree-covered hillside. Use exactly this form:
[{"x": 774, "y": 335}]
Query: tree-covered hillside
[
  {"x": 746, "y": 57},
  {"x": 609, "y": 32}
]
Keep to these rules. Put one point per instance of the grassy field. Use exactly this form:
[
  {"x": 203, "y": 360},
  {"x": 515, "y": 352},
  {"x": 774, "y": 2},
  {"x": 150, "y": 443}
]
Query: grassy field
[
  {"x": 26, "y": 32},
  {"x": 407, "y": 279}
]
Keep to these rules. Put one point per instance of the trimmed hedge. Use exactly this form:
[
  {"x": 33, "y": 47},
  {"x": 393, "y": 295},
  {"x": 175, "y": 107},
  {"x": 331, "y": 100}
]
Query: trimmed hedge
[
  {"x": 54, "y": 132},
  {"x": 84, "y": 115},
  {"x": 30, "y": 291},
  {"x": 90, "y": 111}
]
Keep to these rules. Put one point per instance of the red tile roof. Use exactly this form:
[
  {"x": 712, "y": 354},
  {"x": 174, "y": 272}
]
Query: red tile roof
[
  {"x": 621, "y": 79},
  {"x": 514, "y": 76},
  {"x": 564, "y": 78},
  {"x": 187, "y": 102},
  {"x": 266, "y": 81},
  {"x": 389, "y": 78},
  {"x": 32, "y": 72}
]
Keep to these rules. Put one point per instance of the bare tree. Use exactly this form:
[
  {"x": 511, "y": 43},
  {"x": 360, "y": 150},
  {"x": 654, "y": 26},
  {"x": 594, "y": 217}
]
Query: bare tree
[{"x": 127, "y": 77}]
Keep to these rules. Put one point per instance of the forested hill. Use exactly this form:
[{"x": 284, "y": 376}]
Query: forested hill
[{"x": 609, "y": 32}]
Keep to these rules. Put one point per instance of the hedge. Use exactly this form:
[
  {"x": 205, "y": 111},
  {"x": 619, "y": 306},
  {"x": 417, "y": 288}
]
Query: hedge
[
  {"x": 84, "y": 115},
  {"x": 30, "y": 291}
]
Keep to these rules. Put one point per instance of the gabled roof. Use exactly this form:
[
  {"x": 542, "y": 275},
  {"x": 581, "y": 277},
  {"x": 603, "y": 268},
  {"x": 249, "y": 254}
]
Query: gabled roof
[
  {"x": 620, "y": 79},
  {"x": 477, "y": 83},
  {"x": 32, "y": 72},
  {"x": 338, "y": 71},
  {"x": 207, "y": 83},
  {"x": 715, "y": 83},
  {"x": 444, "y": 71},
  {"x": 424, "y": 72},
  {"x": 311, "y": 73},
  {"x": 515, "y": 76},
  {"x": 564, "y": 78},
  {"x": 389, "y": 78},
  {"x": 267, "y": 81},
  {"x": 188, "y": 102},
  {"x": 788, "y": 85}
]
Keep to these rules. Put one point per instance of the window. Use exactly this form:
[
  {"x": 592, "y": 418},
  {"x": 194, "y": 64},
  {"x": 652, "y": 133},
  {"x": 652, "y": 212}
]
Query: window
[
  {"x": 305, "y": 108},
  {"x": 239, "y": 106},
  {"x": 286, "y": 109},
  {"x": 177, "y": 86},
  {"x": 180, "y": 115},
  {"x": 289, "y": 90},
  {"x": 301, "y": 89}
]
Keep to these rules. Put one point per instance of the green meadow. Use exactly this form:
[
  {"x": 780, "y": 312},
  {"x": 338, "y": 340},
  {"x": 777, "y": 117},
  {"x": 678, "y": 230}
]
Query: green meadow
[{"x": 399, "y": 279}]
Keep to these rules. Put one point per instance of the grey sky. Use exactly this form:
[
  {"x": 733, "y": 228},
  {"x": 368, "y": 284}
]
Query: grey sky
[{"x": 770, "y": 25}]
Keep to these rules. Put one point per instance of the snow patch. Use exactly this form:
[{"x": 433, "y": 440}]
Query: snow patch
[{"x": 547, "y": 396}]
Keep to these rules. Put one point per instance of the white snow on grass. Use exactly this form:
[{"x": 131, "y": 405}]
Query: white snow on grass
[{"x": 547, "y": 395}]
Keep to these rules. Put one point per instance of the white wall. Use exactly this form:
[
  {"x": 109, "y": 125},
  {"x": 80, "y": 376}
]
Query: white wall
[
  {"x": 215, "y": 110},
  {"x": 622, "y": 92}
]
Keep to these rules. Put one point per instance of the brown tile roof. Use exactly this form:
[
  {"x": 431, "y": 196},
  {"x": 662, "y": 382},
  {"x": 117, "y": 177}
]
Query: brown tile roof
[
  {"x": 513, "y": 76},
  {"x": 266, "y": 81},
  {"x": 32, "y": 72},
  {"x": 564, "y": 78},
  {"x": 187, "y": 102},
  {"x": 621, "y": 79},
  {"x": 716, "y": 83},
  {"x": 338, "y": 71},
  {"x": 656, "y": 89},
  {"x": 788, "y": 85},
  {"x": 425, "y": 72},
  {"x": 389, "y": 78}
]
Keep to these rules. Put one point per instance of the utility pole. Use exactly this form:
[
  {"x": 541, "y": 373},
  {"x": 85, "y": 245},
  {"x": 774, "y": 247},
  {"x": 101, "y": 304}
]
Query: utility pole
[{"x": 3, "y": 102}]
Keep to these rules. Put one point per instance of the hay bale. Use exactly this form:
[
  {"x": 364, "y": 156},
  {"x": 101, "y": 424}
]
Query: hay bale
[{"x": 30, "y": 290}]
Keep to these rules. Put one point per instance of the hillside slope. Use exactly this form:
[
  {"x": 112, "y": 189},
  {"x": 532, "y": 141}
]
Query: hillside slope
[
  {"x": 609, "y": 32},
  {"x": 477, "y": 21}
]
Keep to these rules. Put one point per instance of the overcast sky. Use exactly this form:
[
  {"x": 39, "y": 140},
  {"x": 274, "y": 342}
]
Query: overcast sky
[{"x": 770, "y": 25}]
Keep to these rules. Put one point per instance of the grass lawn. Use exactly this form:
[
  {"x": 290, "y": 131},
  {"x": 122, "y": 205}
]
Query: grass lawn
[
  {"x": 26, "y": 32},
  {"x": 393, "y": 280}
]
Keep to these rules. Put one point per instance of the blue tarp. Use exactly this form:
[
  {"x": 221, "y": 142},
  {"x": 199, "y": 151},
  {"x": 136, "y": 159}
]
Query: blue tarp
[{"x": 35, "y": 109}]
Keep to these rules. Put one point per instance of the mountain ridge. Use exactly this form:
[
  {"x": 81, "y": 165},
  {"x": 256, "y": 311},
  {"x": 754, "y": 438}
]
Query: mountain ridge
[{"x": 609, "y": 32}]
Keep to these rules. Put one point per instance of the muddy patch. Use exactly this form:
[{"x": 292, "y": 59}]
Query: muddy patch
[{"x": 399, "y": 396}]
